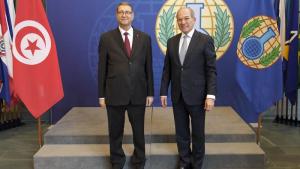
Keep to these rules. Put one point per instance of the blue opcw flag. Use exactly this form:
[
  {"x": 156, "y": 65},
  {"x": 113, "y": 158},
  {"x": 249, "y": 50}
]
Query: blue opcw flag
[
  {"x": 290, "y": 53},
  {"x": 259, "y": 72}
]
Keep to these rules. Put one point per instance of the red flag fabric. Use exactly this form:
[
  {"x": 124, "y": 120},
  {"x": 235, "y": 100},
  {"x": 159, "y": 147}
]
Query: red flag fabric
[{"x": 37, "y": 76}]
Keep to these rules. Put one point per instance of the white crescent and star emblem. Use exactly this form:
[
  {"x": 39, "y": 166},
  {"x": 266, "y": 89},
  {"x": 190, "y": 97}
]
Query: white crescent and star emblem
[{"x": 32, "y": 42}]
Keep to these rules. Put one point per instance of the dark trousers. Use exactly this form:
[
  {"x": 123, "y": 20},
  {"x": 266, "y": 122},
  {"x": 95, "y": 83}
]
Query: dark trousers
[
  {"x": 116, "y": 119},
  {"x": 182, "y": 115}
]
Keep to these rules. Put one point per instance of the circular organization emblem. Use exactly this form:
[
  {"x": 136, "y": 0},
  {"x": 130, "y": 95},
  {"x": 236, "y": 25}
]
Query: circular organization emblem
[
  {"x": 2, "y": 46},
  {"x": 212, "y": 17},
  {"x": 32, "y": 42},
  {"x": 259, "y": 44}
]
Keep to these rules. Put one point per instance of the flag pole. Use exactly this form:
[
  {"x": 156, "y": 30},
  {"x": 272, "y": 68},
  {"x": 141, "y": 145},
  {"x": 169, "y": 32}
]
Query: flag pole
[
  {"x": 258, "y": 130},
  {"x": 40, "y": 138}
]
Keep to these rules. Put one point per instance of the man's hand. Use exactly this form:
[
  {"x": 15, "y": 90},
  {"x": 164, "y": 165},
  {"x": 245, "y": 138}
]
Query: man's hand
[
  {"x": 149, "y": 101},
  {"x": 164, "y": 101},
  {"x": 102, "y": 102},
  {"x": 209, "y": 104}
]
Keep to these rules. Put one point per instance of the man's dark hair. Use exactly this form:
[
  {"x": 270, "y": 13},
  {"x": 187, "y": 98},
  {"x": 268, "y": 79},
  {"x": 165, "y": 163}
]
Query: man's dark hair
[{"x": 124, "y": 3}]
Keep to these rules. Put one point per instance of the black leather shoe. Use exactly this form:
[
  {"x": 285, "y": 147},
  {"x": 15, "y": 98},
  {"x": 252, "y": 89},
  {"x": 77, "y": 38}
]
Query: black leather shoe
[
  {"x": 185, "y": 167},
  {"x": 117, "y": 167},
  {"x": 139, "y": 167}
]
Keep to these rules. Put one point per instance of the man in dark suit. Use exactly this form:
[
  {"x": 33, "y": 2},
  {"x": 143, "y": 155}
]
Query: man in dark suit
[
  {"x": 125, "y": 83},
  {"x": 190, "y": 67}
]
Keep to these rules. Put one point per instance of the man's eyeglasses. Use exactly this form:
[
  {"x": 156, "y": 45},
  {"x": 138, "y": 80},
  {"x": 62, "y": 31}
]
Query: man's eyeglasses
[{"x": 124, "y": 12}]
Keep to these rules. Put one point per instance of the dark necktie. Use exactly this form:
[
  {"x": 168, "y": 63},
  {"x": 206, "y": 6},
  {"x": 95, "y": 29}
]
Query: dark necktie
[{"x": 127, "y": 45}]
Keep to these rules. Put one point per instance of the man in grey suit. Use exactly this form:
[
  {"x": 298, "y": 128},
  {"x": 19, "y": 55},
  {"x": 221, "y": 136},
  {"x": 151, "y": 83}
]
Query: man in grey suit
[
  {"x": 125, "y": 83},
  {"x": 190, "y": 67}
]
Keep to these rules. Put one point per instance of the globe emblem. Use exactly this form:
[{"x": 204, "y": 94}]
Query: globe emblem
[
  {"x": 259, "y": 44},
  {"x": 252, "y": 49},
  {"x": 212, "y": 17}
]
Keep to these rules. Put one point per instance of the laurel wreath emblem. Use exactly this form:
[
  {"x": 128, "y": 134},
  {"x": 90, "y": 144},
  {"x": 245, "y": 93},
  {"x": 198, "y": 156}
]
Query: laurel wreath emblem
[
  {"x": 222, "y": 33},
  {"x": 166, "y": 25},
  {"x": 250, "y": 27},
  {"x": 268, "y": 58}
]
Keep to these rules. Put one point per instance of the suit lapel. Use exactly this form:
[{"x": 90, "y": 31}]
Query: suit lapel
[
  {"x": 177, "y": 40},
  {"x": 191, "y": 46},
  {"x": 118, "y": 37},
  {"x": 135, "y": 42}
]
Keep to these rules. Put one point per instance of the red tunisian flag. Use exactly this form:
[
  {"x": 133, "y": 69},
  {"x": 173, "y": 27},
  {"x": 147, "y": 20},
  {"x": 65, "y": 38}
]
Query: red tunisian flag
[{"x": 37, "y": 77}]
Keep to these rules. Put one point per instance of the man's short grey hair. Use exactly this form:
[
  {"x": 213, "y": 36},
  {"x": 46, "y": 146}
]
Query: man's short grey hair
[{"x": 190, "y": 9}]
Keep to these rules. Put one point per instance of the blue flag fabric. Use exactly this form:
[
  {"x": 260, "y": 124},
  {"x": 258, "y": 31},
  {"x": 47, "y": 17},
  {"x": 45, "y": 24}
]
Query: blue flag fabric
[
  {"x": 291, "y": 59},
  {"x": 259, "y": 75},
  {"x": 4, "y": 89}
]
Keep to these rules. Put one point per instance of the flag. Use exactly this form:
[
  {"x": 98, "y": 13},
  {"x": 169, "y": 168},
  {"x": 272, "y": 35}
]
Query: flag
[
  {"x": 4, "y": 84},
  {"x": 5, "y": 53},
  {"x": 37, "y": 76},
  {"x": 290, "y": 54},
  {"x": 10, "y": 18},
  {"x": 282, "y": 25},
  {"x": 259, "y": 74}
]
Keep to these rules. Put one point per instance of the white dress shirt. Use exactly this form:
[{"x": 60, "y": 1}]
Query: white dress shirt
[{"x": 130, "y": 35}]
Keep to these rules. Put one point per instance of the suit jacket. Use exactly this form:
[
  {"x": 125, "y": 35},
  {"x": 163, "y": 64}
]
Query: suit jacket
[
  {"x": 123, "y": 79},
  {"x": 197, "y": 76}
]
